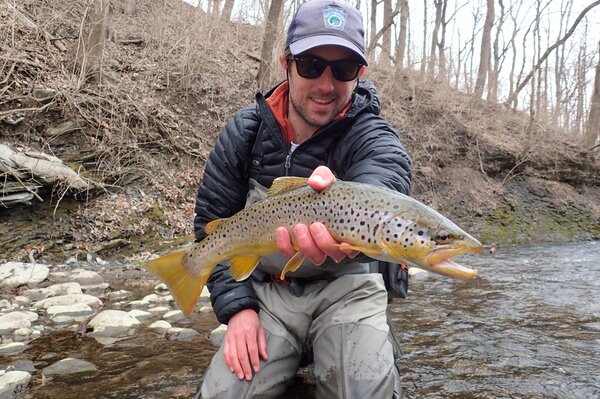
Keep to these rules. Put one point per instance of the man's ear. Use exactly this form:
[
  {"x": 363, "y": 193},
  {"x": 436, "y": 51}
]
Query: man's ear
[
  {"x": 361, "y": 71},
  {"x": 283, "y": 62}
]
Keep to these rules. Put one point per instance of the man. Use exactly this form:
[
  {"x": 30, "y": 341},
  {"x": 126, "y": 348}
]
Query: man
[{"x": 321, "y": 122}]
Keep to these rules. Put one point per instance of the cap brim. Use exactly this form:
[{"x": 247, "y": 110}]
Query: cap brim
[{"x": 311, "y": 42}]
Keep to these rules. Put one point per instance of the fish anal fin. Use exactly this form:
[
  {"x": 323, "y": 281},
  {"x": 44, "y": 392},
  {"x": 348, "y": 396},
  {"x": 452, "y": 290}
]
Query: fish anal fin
[
  {"x": 284, "y": 184},
  {"x": 242, "y": 266},
  {"x": 213, "y": 225},
  {"x": 369, "y": 251},
  {"x": 293, "y": 264},
  {"x": 184, "y": 286}
]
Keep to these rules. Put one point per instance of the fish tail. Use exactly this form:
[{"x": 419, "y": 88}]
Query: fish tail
[{"x": 185, "y": 286}]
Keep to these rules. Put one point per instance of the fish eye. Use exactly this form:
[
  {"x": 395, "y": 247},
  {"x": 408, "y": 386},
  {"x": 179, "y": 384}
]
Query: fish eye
[{"x": 442, "y": 237}]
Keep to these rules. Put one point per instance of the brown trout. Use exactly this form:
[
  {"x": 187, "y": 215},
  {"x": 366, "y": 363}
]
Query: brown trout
[{"x": 381, "y": 223}]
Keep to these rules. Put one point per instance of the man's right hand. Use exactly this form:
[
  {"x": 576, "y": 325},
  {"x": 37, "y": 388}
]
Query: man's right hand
[{"x": 244, "y": 343}]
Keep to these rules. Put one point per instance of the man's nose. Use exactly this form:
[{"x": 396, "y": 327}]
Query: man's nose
[{"x": 326, "y": 80}]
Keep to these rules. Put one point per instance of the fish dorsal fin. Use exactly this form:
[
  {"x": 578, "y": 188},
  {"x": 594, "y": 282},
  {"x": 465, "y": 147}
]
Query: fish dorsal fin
[
  {"x": 242, "y": 266},
  {"x": 212, "y": 226},
  {"x": 285, "y": 184}
]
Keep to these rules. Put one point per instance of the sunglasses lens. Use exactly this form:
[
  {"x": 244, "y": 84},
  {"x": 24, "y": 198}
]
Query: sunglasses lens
[
  {"x": 345, "y": 70},
  {"x": 310, "y": 68}
]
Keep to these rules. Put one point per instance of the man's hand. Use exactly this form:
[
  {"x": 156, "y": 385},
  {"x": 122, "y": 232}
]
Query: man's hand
[
  {"x": 315, "y": 242},
  {"x": 244, "y": 343}
]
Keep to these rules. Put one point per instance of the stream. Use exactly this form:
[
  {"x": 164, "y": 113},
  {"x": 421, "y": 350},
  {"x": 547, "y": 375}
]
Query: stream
[{"x": 528, "y": 328}]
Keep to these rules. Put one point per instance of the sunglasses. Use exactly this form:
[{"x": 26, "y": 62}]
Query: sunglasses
[{"x": 310, "y": 67}]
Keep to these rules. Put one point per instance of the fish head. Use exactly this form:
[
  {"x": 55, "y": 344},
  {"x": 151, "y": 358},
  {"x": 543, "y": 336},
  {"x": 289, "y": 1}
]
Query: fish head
[{"x": 428, "y": 240}]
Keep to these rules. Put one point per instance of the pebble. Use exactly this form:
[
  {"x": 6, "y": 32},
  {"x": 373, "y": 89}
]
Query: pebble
[
  {"x": 16, "y": 274},
  {"x": 12, "y": 348},
  {"x": 160, "y": 327},
  {"x": 13, "y": 383},
  {"x": 113, "y": 323},
  {"x": 69, "y": 365}
]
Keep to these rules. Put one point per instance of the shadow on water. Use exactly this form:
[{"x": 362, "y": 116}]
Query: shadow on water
[{"x": 528, "y": 328}]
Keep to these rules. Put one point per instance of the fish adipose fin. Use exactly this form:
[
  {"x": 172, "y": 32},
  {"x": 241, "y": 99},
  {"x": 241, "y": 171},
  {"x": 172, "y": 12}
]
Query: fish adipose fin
[
  {"x": 369, "y": 251},
  {"x": 293, "y": 264},
  {"x": 184, "y": 286},
  {"x": 242, "y": 266},
  {"x": 285, "y": 184}
]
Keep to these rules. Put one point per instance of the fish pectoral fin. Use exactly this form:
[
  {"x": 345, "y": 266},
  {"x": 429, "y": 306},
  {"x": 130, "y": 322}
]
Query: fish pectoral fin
[
  {"x": 370, "y": 251},
  {"x": 242, "y": 266},
  {"x": 185, "y": 286},
  {"x": 284, "y": 184},
  {"x": 212, "y": 226},
  {"x": 293, "y": 264}
]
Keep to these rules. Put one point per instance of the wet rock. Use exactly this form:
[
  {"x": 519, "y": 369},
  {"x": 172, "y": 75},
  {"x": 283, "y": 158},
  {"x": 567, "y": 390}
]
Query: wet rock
[
  {"x": 22, "y": 334},
  {"x": 4, "y": 303},
  {"x": 174, "y": 315},
  {"x": 160, "y": 327},
  {"x": 13, "y": 382},
  {"x": 13, "y": 321},
  {"x": 70, "y": 365},
  {"x": 113, "y": 323},
  {"x": 161, "y": 289},
  {"x": 70, "y": 288},
  {"x": 217, "y": 335},
  {"x": 159, "y": 310},
  {"x": 205, "y": 295},
  {"x": 118, "y": 295},
  {"x": 22, "y": 365},
  {"x": 63, "y": 300},
  {"x": 95, "y": 289},
  {"x": 74, "y": 310},
  {"x": 12, "y": 348},
  {"x": 15, "y": 274},
  {"x": 140, "y": 314},
  {"x": 182, "y": 334},
  {"x": 86, "y": 277},
  {"x": 22, "y": 301}
]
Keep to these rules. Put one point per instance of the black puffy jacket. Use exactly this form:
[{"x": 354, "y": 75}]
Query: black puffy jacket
[{"x": 359, "y": 147}]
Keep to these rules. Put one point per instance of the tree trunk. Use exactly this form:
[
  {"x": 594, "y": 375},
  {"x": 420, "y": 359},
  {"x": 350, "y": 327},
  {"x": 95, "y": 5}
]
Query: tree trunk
[
  {"x": 130, "y": 7},
  {"x": 263, "y": 79},
  {"x": 484, "y": 59},
  {"x": 228, "y": 9},
  {"x": 402, "y": 38},
  {"x": 386, "y": 43},
  {"x": 90, "y": 47},
  {"x": 434, "y": 39},
  {"x": 373, "y": 31},
  {"x": 592, "y": 127}
]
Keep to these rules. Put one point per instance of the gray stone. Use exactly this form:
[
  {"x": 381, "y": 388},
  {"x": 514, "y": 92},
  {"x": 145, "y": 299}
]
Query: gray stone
[
  {"x": 16, "y": 274},
  {"x": 13, "y": 321},
  {"x": 74, "y": 310},
  {"x": 182, "y": 334},
  {"x": 140, "y": 314},
  {"x": 217, "y": 335},
  {"x": 12, "y": 348},
  {"x": 118, "y": 295},
  {"x": 22, "y": 365},
  {"x": 113, "y": 323},
  {"x": 174, "y": 315},
  {"x": 13, "y": 382},
  {"x": 86, "y": 277},
  {"x": 22, "y": 300},
  {"x": 54, "y": 290},
  {"x": 71, "y": 299},
  {"x": 159, "y": 310},
  {"x": 160, "y": 327},
  {"x": 70, "y": 365}
]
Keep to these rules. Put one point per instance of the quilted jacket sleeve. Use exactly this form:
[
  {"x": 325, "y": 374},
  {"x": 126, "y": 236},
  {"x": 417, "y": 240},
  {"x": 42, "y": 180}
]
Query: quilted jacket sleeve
[{"x": 222, "y": 193}]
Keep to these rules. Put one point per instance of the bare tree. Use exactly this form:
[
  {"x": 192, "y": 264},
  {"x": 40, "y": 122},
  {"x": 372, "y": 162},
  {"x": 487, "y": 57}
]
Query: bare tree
[
  {"x": 227, "y": 9},
  {"x": 386, "y": 43},
  {"x": 263, "y": 79},
  {"x": 90, "y": 46},
  {"x": 434, "y": 38},
  {"x": 524, "y": 83},
  {"x": 484, "y": 59},
  {"x": 402, "y": 37},
  {"x": 592, "y": 127},
  {"x": 498, "y": 56}
]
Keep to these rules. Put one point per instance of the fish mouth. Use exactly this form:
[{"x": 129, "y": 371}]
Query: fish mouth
[{"x": 438, "y": 261}]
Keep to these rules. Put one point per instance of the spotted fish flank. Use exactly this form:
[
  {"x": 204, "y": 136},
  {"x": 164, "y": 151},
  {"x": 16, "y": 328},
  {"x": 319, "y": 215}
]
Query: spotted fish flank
[{"x": 376, "y": 221}]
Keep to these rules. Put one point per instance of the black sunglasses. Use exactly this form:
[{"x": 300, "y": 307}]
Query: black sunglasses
[{"x": 310, "y": 67}]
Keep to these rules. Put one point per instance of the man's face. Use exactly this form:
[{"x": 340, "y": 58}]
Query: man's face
[{"x": 316, "y": 102}]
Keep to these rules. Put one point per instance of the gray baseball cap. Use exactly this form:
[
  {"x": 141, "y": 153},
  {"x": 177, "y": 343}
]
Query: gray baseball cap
[{"x": 326, "y": 22}]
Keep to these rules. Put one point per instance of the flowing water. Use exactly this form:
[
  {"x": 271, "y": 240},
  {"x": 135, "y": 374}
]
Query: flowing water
[{"x": 528, "y": 328}]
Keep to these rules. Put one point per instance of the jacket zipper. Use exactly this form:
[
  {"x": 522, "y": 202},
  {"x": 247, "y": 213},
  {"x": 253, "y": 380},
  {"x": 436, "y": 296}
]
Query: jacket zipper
[{"x": 288, "y": 164}]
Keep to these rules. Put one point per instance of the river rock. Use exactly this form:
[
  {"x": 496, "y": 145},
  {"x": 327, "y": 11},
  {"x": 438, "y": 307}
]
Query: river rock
[
  {"x": 70, "y": 288},
  {"x": 13, "y": 321},
  {"x": 159, "y": 310},
  {"x": 118, "y": 295},
  {"x": 13, "y": 382},
  {"x": 74, "y": 310},
  {"x": 21, "y": 300},
  {"x": 113, "y": 323},
  {"x": 160, "y": 327},
  {"x": 140, "y": 314},
  {"x": 205, "y": 295},
  {"x": 217, "y": 335},
  {"x": 182, "y": 334},
  {"x": 12, "y": 348},
  {"x": 63, "y": 300},
  {"x": 69, "y": 365},
  {"x": 174, "y": 315},
  {"x": 16, "y": 274},
  {"x": 22, "y": 365}
]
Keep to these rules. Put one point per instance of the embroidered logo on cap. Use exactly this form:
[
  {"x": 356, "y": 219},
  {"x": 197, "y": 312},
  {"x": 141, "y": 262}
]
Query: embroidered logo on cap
[{"x": 335, "y": 18}]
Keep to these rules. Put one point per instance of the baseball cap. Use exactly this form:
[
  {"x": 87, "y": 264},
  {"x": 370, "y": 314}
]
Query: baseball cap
[{"x": 326, "y": 22}]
